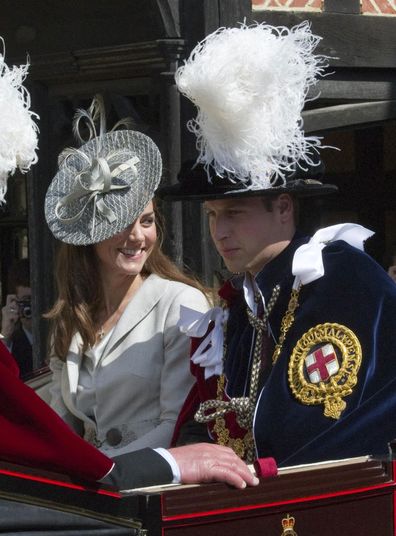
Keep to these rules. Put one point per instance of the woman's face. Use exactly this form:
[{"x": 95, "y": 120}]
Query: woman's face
[{"x": 126, "y": 252}]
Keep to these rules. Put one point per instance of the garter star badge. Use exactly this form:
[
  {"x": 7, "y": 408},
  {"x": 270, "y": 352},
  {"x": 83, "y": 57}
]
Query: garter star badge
[{"x": 323, "y": 367}]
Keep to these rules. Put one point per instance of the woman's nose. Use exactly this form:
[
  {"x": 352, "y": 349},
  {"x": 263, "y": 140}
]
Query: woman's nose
[{"x": 135, "y": 232}]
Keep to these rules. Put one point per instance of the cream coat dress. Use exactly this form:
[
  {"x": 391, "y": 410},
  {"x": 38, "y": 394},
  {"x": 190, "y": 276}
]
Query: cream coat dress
[{"x": 129, "y": 394}]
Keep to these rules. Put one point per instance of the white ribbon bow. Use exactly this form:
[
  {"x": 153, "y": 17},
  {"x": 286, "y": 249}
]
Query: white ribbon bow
[
  {"x": 308, "y": 262},
  {"x": 209, "y": 353}
]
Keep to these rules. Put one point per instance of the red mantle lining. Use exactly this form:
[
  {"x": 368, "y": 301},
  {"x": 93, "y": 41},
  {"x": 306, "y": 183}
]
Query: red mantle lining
[
  {"x": 394, "y": 499},
  {"x": 60, "y": 483}
]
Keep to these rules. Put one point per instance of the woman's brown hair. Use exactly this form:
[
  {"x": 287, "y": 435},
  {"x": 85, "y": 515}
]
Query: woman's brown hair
[{"x": 80, "y": 294}]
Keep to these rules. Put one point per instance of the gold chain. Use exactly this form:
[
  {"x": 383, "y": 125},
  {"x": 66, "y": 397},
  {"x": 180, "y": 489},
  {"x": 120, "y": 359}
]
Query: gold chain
[
  {"x": 243, "y": 447},
  {"x": 287, "y": 321},
  {"x": 243, "y": 407}
]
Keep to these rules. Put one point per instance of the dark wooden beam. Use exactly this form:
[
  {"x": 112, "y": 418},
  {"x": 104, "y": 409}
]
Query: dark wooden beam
[
  {"x": 131, "y": 61},
  {"x": 356, "y": 41},
  {"x": 39, "y": 26},
  {"x": 202, "y": 17},
  {"x": 369, "y": 186},
  {"x": 41, "y": 243},
  {"x": 352, "y": 90},
  {"x": 170, "y": 150},
  {"x": 232, "y": 12},
  {"x": 348, "y": 115},
  {"x": 341, "y": 6},
  {"x": 169, "y": 11},
  {"x": 211, "y": 16}
]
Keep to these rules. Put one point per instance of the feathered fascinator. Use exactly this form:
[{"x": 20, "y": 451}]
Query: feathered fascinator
[
  {"x": 18, "y": 131},
  {"x": 103, "y": 186},
  {"x": 250, "y": 85}
]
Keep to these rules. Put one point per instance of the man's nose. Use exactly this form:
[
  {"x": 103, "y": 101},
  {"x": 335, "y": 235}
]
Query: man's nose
[{"x": 219, "y": 229}]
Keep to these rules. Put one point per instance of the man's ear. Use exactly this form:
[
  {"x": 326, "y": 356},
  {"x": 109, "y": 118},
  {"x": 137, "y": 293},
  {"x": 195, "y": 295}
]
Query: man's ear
[{"x": 286, "y": 207}]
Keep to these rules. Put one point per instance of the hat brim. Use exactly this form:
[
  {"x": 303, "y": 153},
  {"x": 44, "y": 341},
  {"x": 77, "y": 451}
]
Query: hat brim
[
  {"x": 198, "y": 183},
  {"x": 299, "y": 188}
]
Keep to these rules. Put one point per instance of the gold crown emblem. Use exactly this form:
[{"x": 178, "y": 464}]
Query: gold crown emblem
[{"x": 288, "y": 523}]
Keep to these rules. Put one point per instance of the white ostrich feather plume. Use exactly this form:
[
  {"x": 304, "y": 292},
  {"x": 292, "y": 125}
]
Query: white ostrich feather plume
[
  {"x": 250, "y": 85},
  {"x": 18, "y": 131}
]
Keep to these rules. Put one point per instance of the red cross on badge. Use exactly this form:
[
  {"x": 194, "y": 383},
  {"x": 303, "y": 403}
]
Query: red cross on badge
[{"x": 322, "y": 363}]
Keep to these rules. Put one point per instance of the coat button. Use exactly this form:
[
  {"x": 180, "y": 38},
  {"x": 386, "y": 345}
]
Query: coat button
[{"x": 113, "y": 437}]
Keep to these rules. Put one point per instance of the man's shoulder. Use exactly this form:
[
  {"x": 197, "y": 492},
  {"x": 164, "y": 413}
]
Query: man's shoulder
[
  {"x": 341, "y": 255},
  {"x": 348, "y": 267}
]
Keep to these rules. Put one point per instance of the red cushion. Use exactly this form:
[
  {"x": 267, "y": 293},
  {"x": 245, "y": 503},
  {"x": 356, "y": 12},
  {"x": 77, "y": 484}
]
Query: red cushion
[{"x": 33, "y": 434}]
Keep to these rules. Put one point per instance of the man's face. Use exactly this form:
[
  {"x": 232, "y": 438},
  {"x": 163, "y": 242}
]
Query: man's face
[{"x": 246, "y": 234}]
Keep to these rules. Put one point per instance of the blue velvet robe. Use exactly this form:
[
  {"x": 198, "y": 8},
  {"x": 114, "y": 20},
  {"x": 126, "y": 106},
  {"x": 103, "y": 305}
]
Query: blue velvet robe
[{"x": 354, "y": 292}]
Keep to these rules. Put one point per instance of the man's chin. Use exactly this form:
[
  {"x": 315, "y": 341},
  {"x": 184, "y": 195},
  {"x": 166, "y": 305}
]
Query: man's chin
[{"x": 234, "y": 268}]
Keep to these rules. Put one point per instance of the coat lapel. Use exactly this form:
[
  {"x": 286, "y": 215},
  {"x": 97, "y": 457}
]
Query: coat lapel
[
  {"x": 137, "y": 309},
  {"x": 69, "y": 386},
  {"x": 73, "y": 364}
]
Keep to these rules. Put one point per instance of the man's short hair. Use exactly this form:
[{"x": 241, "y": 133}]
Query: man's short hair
[{"x": 268, "y": 204}]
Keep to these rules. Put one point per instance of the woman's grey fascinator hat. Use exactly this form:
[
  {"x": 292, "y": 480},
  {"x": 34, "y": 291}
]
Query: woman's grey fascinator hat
[{"x": 103, "y": 186}]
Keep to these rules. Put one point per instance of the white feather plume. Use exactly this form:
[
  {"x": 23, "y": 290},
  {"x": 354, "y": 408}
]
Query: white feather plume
[
  {"x": 250, "y": 85},
  {"x": 18, "y": 131}
]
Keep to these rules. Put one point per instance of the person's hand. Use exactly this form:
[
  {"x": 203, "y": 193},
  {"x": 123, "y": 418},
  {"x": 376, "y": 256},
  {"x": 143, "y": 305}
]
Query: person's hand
[
  {"x": 204, "y": 462},
  {"x": 9, "y": 316},
  {"x": 392, "y": 272}
]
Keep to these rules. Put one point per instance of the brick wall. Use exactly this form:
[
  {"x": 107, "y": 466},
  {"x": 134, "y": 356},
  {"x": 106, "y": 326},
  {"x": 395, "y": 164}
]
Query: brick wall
[
  {"x": 311, "y": 5},
  {"x": 379, "y": 7},
  {"x": 369, "y": 7}
]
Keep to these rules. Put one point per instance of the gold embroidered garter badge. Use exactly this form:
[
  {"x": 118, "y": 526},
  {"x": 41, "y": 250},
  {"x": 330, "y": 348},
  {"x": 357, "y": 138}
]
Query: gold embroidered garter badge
[{"x": 323, "y": 367}]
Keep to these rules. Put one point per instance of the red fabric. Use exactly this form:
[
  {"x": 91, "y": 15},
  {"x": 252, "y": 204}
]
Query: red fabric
[
  {"x": 33, "y": 434},
  {"x": 208, "y": 391},
  {"x": 228, "y": 292},
  {"x": 8, "y": 360},
  {"x": 265, "y": 467},
  {"x": 203, "y": 389},
  {"x": 186, "y": 414}
]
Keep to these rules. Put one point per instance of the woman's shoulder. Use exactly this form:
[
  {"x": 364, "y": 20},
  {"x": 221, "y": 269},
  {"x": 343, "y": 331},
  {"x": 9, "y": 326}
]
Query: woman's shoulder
[
  {"x": 181, "y": 291},
  {"x": 172, "y": 285}
]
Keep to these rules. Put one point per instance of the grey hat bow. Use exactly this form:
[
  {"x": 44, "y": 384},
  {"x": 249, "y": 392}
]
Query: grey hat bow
[{"x": 93, "y": 182}]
